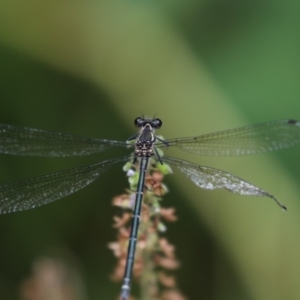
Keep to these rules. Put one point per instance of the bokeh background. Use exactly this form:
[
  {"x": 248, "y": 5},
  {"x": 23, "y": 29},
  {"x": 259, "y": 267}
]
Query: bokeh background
[{"x": 90, "y": 68}]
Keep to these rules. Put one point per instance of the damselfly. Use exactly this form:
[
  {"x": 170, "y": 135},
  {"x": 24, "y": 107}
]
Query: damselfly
[{"x": 41, "y": 190}]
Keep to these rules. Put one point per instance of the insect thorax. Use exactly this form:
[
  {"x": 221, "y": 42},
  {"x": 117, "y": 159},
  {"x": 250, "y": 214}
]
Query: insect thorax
[{"x": 144, "y": 149}]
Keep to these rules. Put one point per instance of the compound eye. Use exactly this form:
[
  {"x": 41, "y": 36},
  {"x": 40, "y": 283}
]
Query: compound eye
[
  {"x": 138, "y": 122},
  {"x": 157, "y": 123}
]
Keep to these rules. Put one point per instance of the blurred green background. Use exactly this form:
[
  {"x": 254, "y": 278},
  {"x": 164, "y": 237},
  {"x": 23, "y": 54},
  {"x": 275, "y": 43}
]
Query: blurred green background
[{"x": 202, "y": 66}]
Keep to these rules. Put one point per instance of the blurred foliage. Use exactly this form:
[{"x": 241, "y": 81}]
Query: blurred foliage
[{"x": 91, "y": 68}]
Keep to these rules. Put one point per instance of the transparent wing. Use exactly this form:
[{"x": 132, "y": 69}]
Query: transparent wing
[
  {"x": 41, "y": 190},
  {"x": 34, "y": 142},
  {"x": 211, "y": 179},
  {"x": 252, "y": 139}
]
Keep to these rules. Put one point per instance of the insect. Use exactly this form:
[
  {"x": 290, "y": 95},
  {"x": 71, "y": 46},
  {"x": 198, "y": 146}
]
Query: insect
[{"x": 30, "y": 193}]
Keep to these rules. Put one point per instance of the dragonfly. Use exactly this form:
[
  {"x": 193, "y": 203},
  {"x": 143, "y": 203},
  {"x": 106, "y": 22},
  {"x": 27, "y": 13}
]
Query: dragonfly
[{"x": 34, "y": 192}]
